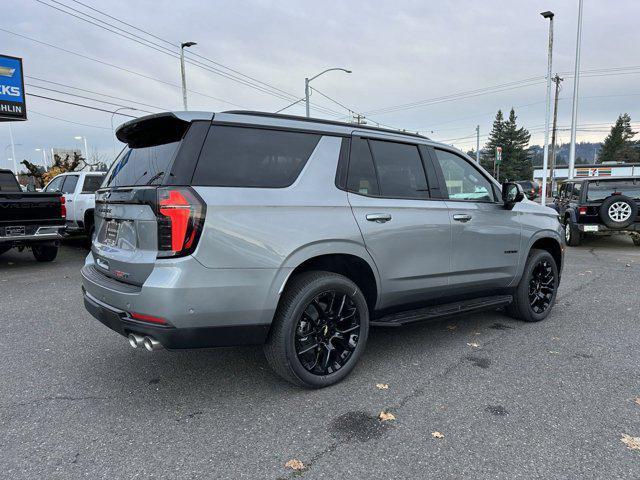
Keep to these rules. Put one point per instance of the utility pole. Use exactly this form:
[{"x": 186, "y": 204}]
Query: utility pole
[
  {"x": 184, "y": 79},
  {"x": 478, "y": 144},
  {"x": 360, "y": 119},
  {"x": 552, "y": 155},
  {"x": 576, "y": 81},
  {"x": 545, "y": 160}
]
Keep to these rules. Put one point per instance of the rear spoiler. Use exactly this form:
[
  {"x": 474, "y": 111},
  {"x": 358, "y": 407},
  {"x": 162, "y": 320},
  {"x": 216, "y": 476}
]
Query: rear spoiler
[{"x": 159, "y": 128}]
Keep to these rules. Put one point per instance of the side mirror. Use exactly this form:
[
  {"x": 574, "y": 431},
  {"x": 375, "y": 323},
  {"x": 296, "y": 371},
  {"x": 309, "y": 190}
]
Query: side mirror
[
  {"x": 512, "y": 193},
  {"x": 31, "y": 187}
]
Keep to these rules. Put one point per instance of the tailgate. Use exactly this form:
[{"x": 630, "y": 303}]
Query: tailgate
[
  {"x": 126, "y": 242},
  {"x": 30, "y": 208}
]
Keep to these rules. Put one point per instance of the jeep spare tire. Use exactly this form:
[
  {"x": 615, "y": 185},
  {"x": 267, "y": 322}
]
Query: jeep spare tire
[{"x": 618, "y": 211}]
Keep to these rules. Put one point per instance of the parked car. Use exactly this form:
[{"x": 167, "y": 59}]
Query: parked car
[
  {"x": 531, "y": 188},
  {"x": 30, "y": 219},
  {"x": 300, "y": 234},
  {"x": 78, "y": 189},
  {"x": 599, "y": 206}
]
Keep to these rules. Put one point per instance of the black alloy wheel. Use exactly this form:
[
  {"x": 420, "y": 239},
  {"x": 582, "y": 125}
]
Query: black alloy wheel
[
  {"x": 327, "y": 333},
  {"x": 542, "y": 286}
]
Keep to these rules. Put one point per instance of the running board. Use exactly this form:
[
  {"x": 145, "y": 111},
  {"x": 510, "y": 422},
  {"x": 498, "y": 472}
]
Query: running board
[{"x": 444, "y": 310}]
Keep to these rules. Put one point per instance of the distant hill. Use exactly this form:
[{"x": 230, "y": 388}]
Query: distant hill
[{"x": 586, "y": 152}]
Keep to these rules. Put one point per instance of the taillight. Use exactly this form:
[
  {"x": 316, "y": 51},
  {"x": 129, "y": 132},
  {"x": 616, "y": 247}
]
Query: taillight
[
  {"x": 181, "y": 215},
  {"x": 582, "y": 210},
  {"x": 148, "y": 318},
  {"x": 63, "y": 207}
]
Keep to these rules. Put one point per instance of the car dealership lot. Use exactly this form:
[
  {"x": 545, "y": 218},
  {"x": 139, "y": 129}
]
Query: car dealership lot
[{"x": 513, "y": 400}]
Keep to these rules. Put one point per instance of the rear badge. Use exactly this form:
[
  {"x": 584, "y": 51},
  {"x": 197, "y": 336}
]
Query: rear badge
[{"x": 120, "y": 274}]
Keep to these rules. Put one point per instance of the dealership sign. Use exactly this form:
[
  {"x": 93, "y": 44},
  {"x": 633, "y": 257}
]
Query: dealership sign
[{"x": 12, "y": 101}]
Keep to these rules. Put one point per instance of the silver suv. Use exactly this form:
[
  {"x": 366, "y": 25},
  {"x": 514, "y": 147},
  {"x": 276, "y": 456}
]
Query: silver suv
[{"x": 299, "y": 234}]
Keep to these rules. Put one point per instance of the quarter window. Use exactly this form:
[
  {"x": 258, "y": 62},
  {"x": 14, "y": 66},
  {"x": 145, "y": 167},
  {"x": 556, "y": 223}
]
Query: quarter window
[
  {"x": 252, "y": 157},
  {"x": 463, "y": 181}
]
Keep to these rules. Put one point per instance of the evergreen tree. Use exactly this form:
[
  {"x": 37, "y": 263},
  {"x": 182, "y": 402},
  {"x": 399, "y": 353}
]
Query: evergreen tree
[
  {"x": 514, "y": 141},
  {"x": 619, "y": 144}
]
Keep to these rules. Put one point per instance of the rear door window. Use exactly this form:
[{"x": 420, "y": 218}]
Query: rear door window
[
  {"x": 141, "y": 166},
  {"x": 92, "y": 183},
  {"x": 69, "y": 185},
  {"x": 252, "y": 157},
  {"x": 400, "y": 170}
]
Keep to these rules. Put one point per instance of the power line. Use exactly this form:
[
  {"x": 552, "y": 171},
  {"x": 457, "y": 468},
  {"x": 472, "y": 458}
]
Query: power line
[
  {"x": 31, "y": 110},
  {"x": 155, "y": 46},
  {"x": 78, "y": 105},
  {"x": 102, "y": 62}
]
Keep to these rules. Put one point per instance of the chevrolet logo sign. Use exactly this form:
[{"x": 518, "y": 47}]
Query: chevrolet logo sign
[{"x": 6, "y": 71}]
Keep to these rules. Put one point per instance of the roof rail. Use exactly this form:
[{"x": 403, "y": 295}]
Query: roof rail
[{"x": 324, "y": 121}]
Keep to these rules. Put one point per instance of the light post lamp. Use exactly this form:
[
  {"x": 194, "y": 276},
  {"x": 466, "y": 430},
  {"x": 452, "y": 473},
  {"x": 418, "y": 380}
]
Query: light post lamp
[
  {"x": 13, "y": 158},
  {"x": 545, "y": 161},
  {"x": 308, "y": 80},
  {"x": 44, "y": 156},
  {"x": 184, "y": 80},
  {"x": 86, "y": 151}
]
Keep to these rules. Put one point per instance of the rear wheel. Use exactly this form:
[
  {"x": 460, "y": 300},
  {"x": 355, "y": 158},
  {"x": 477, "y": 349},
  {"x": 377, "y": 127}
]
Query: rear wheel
[
  {"x": 572, "y": 235},
  {"x": 44, "y": 253},
  {"x": 319, "y": 330},
  {"x": 536, "y": 293}
]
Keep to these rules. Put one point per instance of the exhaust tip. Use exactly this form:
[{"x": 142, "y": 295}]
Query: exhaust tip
[
  {"x": 151, "y": 344},
  {"x": 135, "y": 340}
]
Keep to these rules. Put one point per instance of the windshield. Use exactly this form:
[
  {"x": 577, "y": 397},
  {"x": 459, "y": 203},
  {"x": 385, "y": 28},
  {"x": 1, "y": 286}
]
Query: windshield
[
  {"x": 141, "y": 166},
  {"x": 603, "y": 189}
]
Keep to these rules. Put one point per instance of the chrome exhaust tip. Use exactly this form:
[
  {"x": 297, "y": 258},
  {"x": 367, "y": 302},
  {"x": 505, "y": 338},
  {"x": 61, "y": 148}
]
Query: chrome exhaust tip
[
  {"x": 135, "y": 340},
  {"x": 151, "y": 344}
]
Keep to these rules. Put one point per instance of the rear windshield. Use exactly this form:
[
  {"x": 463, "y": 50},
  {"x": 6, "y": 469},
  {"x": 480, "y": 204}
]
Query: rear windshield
[
  {"x": 141, "y": 166},
  {"x": 8, "y": 183},
  {"x": 601, "y": 190},
  {"x": 92, "y": 183},
  {"x": 253, "y": 157}
]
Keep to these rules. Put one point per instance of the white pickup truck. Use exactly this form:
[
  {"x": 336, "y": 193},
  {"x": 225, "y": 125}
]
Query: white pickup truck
[{"x": 78, "y": 189}]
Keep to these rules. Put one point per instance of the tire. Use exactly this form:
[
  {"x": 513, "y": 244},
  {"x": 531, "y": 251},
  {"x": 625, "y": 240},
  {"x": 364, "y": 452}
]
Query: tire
[
  {"x": 4, "y": 249},
  {"x": 618, "y": 211},
  {"x": 90, "y": 234},
  {"x": 572, "y": 235},
  {"x": 521, "y": 308},
  {"x": 44, "y": 253},
  {"x": 285, "y": 347}
]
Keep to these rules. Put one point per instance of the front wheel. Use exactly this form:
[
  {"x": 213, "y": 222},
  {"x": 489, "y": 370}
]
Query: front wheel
[
  {"x": 536, "y": 293},
  {"x": 319, "y": 330},
  {"x": 44, "y": 253}
]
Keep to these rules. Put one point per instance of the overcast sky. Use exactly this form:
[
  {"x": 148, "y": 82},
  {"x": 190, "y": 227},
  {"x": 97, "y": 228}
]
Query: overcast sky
[{"x": 400, "y": 52}]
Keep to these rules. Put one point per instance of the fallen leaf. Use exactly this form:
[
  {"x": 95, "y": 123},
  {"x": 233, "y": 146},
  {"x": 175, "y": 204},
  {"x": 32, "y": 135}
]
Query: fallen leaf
[
  {"x": 628, "y": 264},
  {"x": 451, "y": 327},
  {"x": 554, "y": 352},
  {"x": 638, "y": 400},
  {"x": 476, "y": 333},
  {"x": 437, "y": 435},
  {"x": 555, "y": 338},
  {"x": 386, "y": 416},
  {"x": 294, "y": 464},
  {"x": 382, "y": 386},
  {"x": 473, "y": 344},
  {"x": 633, "y": 443}
]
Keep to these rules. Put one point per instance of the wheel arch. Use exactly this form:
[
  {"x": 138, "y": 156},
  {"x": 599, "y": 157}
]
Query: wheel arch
[{"x": 548, "y": 240}]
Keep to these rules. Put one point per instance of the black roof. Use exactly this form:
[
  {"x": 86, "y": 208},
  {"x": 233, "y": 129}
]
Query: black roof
[{"x": 324, "y": 121}]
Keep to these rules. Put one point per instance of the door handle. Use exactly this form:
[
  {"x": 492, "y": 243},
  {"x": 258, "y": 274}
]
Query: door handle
[
  {"x": 378, "y": 217},
  {"x": 69, "y": 201},
  {"x": 462, "y": 217}
]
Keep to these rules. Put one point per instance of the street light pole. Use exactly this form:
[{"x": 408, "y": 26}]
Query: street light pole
[
  {"x": 86, "y": 152},
  {"x": 576, "y": 81},
  {"x": 307, "y": 81},
  {"x": 478, "y": 144},
  {"x": 545, "y": 161},
  {"x": 13, "y": 151},
  {"x": 182, "y": 71}
]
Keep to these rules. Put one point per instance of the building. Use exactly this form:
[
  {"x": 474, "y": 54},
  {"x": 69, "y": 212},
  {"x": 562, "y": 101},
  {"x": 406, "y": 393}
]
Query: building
[{"x": 593, "y": 170}]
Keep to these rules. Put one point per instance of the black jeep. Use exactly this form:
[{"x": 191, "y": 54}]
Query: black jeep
[{"x": 599, "y": 206}]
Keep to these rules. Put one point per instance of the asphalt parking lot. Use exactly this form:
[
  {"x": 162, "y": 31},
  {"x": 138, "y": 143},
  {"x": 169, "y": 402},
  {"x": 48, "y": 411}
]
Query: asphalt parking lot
[{"x": 512, "y": 400}]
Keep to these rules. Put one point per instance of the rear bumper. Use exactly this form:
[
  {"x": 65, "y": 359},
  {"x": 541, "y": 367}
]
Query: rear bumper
[
  {"x": 171, "y": 337},
  {"x": 590, "y": 228},
  {"x": 34, "y": 235}
]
